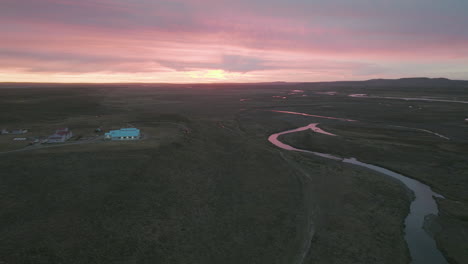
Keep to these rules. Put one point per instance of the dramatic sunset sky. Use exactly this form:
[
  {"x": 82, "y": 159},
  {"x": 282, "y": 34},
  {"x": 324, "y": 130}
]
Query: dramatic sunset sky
[{"x": 231, "y": 41}]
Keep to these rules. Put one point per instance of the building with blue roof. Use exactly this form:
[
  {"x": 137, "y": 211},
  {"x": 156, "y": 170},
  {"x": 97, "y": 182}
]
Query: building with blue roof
[{"x": 123, "y": 134}]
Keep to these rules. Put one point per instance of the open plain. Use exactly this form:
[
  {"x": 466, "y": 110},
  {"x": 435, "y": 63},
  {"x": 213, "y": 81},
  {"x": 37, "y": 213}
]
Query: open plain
[{"x": 204, "y": 185}]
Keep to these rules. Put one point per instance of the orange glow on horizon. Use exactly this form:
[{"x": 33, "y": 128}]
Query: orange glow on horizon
[
  {"x": 200, "y": 76},
  {"x": 109, "y": 41}
]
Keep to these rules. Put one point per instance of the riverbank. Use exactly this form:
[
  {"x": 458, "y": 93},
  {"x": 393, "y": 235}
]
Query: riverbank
[
  {"x": 366, "y": 144},
  {"x": 422, "y": 247}
]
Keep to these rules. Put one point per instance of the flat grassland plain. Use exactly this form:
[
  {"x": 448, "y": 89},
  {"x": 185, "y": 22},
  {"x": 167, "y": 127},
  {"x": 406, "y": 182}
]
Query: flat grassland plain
[{"x": 206, "y": 186}]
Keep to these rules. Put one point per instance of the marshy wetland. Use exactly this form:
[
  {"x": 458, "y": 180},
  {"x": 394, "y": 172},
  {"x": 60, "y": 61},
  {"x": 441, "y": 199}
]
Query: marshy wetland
[{"x": 206, "y": 185}]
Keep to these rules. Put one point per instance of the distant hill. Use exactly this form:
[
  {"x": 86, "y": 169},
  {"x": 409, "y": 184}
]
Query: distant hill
[
  {"x": 403, "y": 82},
  {"x": 413, "y": 81}
]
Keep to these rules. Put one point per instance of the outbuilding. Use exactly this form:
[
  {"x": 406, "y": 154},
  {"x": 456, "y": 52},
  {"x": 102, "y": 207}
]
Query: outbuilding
[
  {"x": 123, "y": 134},
  {"x": 61, "y": 135},
  {"x": 19, "y": 131}
]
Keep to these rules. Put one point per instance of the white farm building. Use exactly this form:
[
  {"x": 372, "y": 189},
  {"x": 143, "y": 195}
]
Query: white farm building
[{"x": 123, "y": 134}]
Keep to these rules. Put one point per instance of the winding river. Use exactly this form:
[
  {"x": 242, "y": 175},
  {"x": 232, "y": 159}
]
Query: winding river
[{"x": 422, "y": 247}]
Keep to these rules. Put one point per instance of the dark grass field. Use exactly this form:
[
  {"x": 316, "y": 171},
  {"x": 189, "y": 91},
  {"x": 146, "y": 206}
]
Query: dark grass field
[{"x": 221, "y": 193}]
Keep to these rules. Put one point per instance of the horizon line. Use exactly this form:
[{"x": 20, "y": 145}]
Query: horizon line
[{"x": 211, "y": 83}]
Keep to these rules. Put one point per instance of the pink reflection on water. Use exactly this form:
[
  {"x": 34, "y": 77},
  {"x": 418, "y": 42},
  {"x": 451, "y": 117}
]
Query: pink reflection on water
[
  {"x": 327, "y": 93},
  {"x": 293, "y": 92},
  {"x": 318, "y": 116},
  {"x": 357, "y": 95},
  {"x": 316, "y": 129},
  {"x": 274, "y": 140}
]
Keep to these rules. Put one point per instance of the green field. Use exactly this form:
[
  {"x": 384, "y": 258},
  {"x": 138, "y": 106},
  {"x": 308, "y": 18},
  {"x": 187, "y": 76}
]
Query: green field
[{"x": 206, "y": 186}]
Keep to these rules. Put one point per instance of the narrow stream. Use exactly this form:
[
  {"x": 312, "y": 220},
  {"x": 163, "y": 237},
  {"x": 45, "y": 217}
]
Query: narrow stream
[
  {"x": 425, "y": 130},
  {"x": 422, "y": 247},
  {"x": 318, "y": 116}
]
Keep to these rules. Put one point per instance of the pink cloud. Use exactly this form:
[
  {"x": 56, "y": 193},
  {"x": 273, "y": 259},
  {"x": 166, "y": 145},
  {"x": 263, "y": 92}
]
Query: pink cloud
[{"x": 268, "y": 39}]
